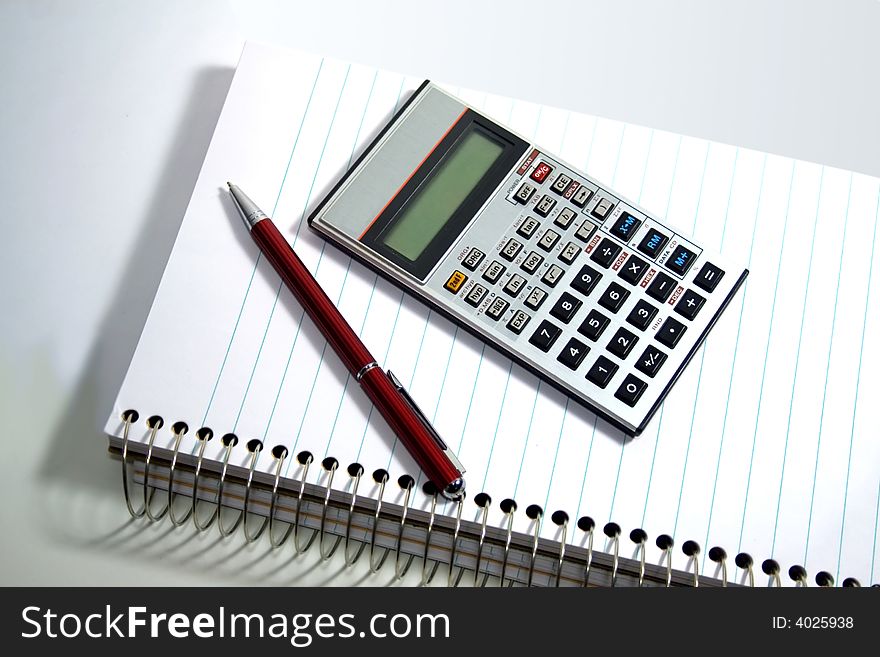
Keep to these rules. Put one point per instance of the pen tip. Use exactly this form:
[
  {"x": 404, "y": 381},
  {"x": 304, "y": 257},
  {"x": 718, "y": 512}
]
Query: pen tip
[{"x": 229, "y": 184}]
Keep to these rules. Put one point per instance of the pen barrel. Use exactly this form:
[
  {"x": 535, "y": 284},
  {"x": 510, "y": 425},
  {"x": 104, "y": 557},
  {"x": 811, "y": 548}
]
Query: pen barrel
[
  {"x": 409, "y": 428},
  {"x": 308, "y": 292}
]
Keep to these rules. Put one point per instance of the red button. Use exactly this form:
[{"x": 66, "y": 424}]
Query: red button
[{"x": 541, "y": 172}]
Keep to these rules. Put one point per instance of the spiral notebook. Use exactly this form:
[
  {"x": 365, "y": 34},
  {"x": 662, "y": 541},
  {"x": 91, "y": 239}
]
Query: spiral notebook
[{"x": 766, "y": 447}]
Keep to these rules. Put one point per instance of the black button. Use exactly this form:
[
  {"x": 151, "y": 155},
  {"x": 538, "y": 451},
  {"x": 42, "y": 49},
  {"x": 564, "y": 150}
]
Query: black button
[
  {"x": 545, "y": 205},
  {"x": 625, "y": 226},
  {"x": 653, "y": 243},
  {"x": 613, "y": 297},
  {"x": 633, "y": 270},
  {"x": 708, "y": 277},
  {"x": 641, "y": 315},
  {"x": 528, "y": 227},
  {"x": 566, "y": 307},
  {"x": 670, "y": 333},
  {"x": 689, "y": 304},
  {"x": 594, "y": 325},
  {"x": 601, "y": 371},
  {"x": 681, "y": 260},
  {"x": 630, "y": 390},
  {"x": 586, "y": 280},
  {"x": 545, "y": 335},
  {"x": 524, "y": 193},
  {"x": 622, "y": 343},
  {"x": 572, "y": 355},
  {"x": 661, "y": 287},
  {"x": 473, "y": 259},
  {"x": 518, "y": 322},
  {"x": 650, "y": 361},
  {"x": 475, "y": 296},
  {"x": 605, "y": 253}
]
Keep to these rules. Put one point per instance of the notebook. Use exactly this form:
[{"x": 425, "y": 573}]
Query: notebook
[{"x": 766, "y": 446}]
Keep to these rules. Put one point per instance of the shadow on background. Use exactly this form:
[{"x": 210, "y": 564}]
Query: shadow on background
[{"x": 76, "y": 457}]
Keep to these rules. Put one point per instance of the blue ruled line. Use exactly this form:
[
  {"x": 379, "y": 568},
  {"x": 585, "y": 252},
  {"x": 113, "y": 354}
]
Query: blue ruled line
[
  {"x": 852, "y": 428},
  {"x": 797, "y": 362},
  {"x": 259, "y": 255},
  {"x": 735, "y": 351},
  {"x": 766, "y": 357},
  {"x": 827, "y": 370}
]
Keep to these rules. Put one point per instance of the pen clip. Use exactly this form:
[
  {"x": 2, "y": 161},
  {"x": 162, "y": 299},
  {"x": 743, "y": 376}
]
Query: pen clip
[{"x": 430, "y": 427}]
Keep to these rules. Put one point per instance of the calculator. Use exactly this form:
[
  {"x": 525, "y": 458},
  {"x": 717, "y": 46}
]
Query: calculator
[{"x": 572, "y": 281}]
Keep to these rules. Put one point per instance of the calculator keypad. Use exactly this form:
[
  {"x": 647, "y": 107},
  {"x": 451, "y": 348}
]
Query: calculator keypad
[{"x": 615, "y": 318}]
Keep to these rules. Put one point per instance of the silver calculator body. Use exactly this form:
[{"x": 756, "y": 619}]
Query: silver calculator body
[{"x": 569, "y": 279}]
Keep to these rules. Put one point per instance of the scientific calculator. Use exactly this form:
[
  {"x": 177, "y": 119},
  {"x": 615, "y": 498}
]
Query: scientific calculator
[{"x": 569, "y": 279}]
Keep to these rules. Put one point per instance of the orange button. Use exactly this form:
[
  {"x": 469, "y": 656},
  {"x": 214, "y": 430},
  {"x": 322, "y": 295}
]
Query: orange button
[{"x": 455, "y": 282}]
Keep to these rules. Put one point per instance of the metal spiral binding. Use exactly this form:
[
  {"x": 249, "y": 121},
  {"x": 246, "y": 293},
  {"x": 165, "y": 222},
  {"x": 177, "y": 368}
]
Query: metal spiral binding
[
  {"x": 536, "y": 513},
  {"x": 640, "y": 537},
  {"x": 280, "y": 454},
  {"x": 355, "y": 471},
  {"x": 719, "y": 556},
  {"x": 203, "y": 435},
  {"x": 380, "y": 477},
  {"x": 509, "y": 508},
  {"x": 586, "y": 524},
  {"x": 329, "y": 464},
  {"x": 612, "y": 531},
  {"x": 403, "y": 562},
  {"x": 154, "y": 423},
  {"x": 483, "y": 501},
  {"x": 129, "y": 417},
  {"x": 431, "y": 491},
  {"x": 229, "y": 441},
  {"x": 305, "y": 460},
  {"x": 458, "y": 507},
  {"x": 691, "y": 550},
  {"x": 560, "y": 519},
  {"x": 255, "y": 447},
  {"x": 179, "y": 429},
  {"x": 407, "y": 483}
]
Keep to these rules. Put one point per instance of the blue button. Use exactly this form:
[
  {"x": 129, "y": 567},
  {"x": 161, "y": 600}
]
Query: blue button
[
  {"x": 625, "y": 226},
  {"x": 653, "y": 243},
  {"x": 680, "y": 260}
]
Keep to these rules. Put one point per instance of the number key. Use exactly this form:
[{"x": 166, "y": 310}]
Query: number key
[
  {"x": 630, "y": 390},
  {"x": 622, "y": 343},
  {"x": 573, "y": 354},
  {"x": 594, "y": 325},
  {"x": 566, "y": 307},
  {"x": 641, "y": 315},
  {"x": 545, "y": 335},
  {"x": 586, "y": 280},
  {"x": 601, "y": 371},
  {"x": 613, "y": 297}
]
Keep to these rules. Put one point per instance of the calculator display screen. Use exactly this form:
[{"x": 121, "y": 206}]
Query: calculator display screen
[{"x": 442, "y": 193}]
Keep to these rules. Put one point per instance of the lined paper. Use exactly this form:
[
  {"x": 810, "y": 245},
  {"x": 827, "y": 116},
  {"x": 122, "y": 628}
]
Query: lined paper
[{"x": 765, "y": 445}]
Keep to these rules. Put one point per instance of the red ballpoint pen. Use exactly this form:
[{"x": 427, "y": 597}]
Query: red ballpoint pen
[{"x": 389, "y": 397}]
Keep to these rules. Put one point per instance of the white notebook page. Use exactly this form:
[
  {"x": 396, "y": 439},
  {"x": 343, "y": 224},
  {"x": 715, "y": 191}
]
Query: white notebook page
[{"x": 766, "y": 444}]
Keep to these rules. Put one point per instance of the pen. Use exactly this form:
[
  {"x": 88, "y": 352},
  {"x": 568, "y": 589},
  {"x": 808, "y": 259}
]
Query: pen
[{"x": 389, "y": 397}]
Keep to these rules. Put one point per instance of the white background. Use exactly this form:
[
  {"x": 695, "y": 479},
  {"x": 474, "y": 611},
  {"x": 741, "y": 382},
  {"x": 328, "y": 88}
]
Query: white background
[{"x": 107, "y": 108}]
